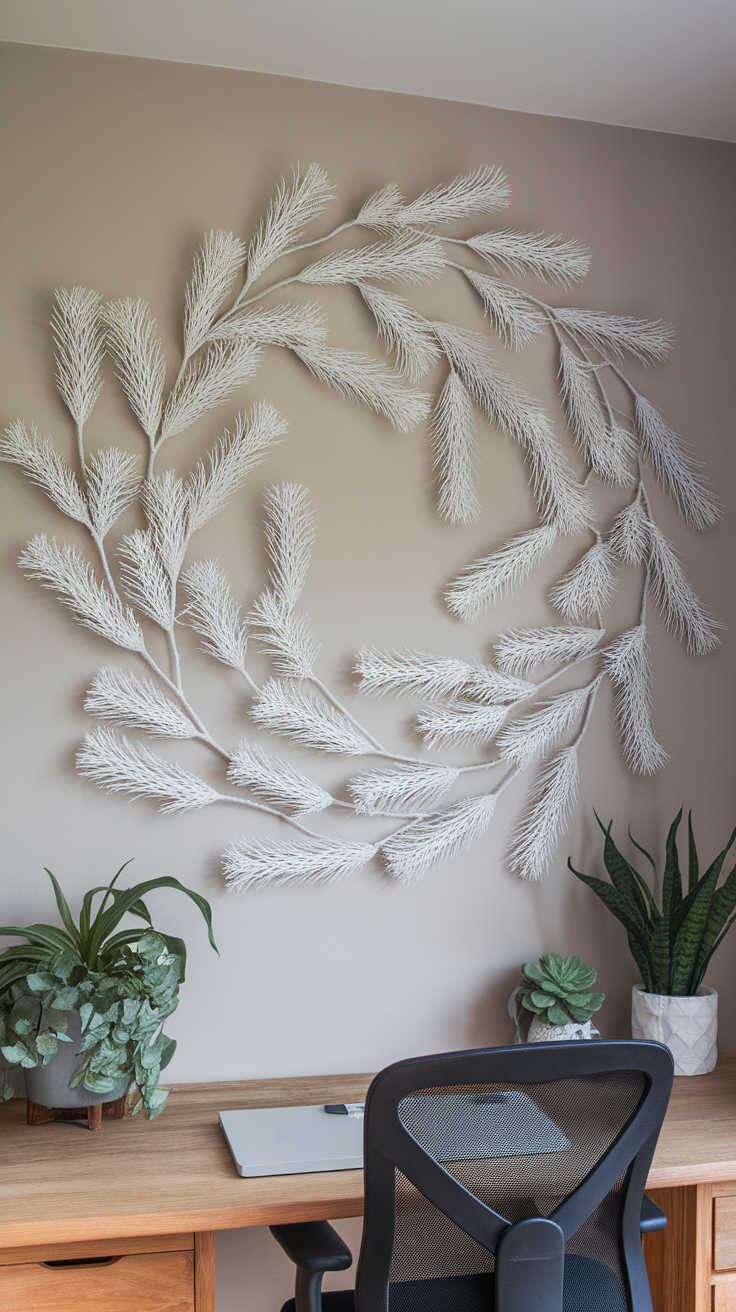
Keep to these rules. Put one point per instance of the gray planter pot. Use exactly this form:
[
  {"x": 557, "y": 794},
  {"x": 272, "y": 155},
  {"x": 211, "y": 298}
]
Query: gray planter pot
[
  {"x": 48, "y": 1086},
  {"x": 688, "y": 1026},
  {"x": 541, "y": 1032}
]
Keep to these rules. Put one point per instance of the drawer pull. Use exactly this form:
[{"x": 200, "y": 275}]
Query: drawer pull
[{"x": 62, "y": 1262}]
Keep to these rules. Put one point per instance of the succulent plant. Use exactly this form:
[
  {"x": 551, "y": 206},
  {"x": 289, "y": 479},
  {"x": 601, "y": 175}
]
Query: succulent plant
[{"x": 559, "y": 989}]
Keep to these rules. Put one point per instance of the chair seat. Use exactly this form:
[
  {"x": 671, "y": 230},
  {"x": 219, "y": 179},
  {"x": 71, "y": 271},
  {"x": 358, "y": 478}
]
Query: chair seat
[{"x": 590, "y": 1286}]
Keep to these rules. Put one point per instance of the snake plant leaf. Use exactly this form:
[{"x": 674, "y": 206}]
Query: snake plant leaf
[
  {"x": 689, "y": 937},
  {"x": 717, "y": 944},
  {"x": 622, "y": 877},
  {"x": 721, "y": 907},
  {"x": 693, "y": 864},
  {"x": 616, "y": 904},
  {"x": 660, "y": 955},
  {"x": 672, "y": 880}
]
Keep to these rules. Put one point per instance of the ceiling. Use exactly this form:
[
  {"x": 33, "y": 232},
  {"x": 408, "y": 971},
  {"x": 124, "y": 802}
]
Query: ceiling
[{"x": 668, "y": 65}]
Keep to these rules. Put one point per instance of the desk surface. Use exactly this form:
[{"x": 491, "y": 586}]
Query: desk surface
[{"x": 60, "y": 1183}]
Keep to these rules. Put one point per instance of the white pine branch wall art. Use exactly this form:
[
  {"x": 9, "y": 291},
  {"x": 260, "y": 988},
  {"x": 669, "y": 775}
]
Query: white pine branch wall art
[{"x": 510, "y": 716}]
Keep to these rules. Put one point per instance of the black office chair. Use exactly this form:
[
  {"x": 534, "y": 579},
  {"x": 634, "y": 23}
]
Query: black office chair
[{"x": 503, "y": 1178}]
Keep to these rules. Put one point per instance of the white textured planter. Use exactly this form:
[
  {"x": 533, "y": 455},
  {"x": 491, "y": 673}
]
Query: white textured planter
[
  {"x": 688, "y": 1026},
  {"x": 541, "y": 1032}
]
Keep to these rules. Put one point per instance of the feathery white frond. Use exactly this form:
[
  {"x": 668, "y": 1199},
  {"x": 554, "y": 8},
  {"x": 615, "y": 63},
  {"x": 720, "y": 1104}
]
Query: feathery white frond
[
  {"x": 461, "y": 723},
  {"x": 588, "y": 587},
  {"x": 287, "y": 325},
  {"x": 536, "y": 735},
  {"x": 627, "y": 663},
  {"x": 206, "y": 382},
  {"x": 453, "y": 440},
  {"x": 523, "y": 253},
  {"x": 64, "y": 570},
  {"x": 165, "y": 504},
  {"x": 421, "y": 674},
  {"x": 284, "y": 635},
  {"x": 213, "y": 614},
  {"x": 294, "y": 206},
  {"x": 112, "y": 483},
  {"x": 615, "y": 334},
  {"x": 139, "y": 359},
  {"x": 379, "y": 211},
  {"x": 403, "y": 330},
  {"x": 363, "y": 379},
  {"x": 629, "y": 535},
  {"x": 288, "y": 709},
  {"x": 409, "y": 257},
  {"x": 488, "y": 579},
  {"x": 75, "y": 323},
  {"x": 315, "y": 860},
  {"x": 412, "y": 851},
  {"x": 39, "y": 459},
  {"x": 132, "y": 703},
  {"x": 121, "y": 766},
  {"x": 674, "y": 467},
  {"x": 608, "y": 450},
  {"x": 230, "y": 461},
  {"x": 514, "y": 319},
  {"x": 215, "y": 269},
  {"x": 521, "y": 650},
  {"x": 403, "y": 790},
  {"x": 553, "y": 796},
  {"x": 480, "y": 192},
  {"x": 681, "y": 609},
  {"x": 290, "y": 534},
  {"x": 145, "y": 580},
  {"x": 275, "y": 780}
]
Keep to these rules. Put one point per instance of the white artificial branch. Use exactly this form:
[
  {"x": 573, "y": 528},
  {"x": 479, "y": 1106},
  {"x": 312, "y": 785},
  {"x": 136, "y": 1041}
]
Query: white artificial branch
[
  {"x": 614, "y": 334},
  {"x": 587, "y": 589},
  {"x": 403, "y": 330},
  {"x": 64, "y": 570},
  {"x": 230, "y": 461},
  {"x": 536, "y": 735},
  {"x": 480, "y": 192},
  {"x": 403, "y": 790},
  {"x": 461, "y": 723},
  {"x": 522, "y": 253},
  {"x": 41, "y": 462},
  {"x": 315, "y": 860},
  {"x": 276, "y": 780},
  {"x": 628, "y": 665},
  {"x": 288, "y": 709},
  {"x": 408, "y": 257},
  {"x": 216, "y": 266},
  {"x": 521, "y": 650},
  {"x": 674, "y": 468},
  {"x": 214, "y": 615},
  {"x": 681, "y": 609},
  {"x": 75, "y": 324},
  {"x": 554, "y": 793},
  {"x": 422, "y": 674},
  {"x": 453, "y": 440},
  {"x": 139, "y": 360},
  {"x": 487, "y": 580},
  {"x": 608, "y": 450},
  {"x": 416, "y": 848},
  {"x": 120, "y": 698}
]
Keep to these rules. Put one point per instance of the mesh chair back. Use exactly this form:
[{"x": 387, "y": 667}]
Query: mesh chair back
[{"x": 462, "y": 1148}]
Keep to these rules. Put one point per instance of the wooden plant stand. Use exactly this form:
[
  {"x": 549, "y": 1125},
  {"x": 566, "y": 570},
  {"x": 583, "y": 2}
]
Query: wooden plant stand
[{"x": 38, "y": 1115}]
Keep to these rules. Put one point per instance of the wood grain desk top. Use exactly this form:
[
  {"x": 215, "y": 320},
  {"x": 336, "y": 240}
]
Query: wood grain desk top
[{"x": 60, "y": 1183}]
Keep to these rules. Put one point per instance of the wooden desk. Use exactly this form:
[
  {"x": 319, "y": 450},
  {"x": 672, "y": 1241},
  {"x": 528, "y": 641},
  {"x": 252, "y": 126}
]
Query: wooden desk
[{"x": 151, "y": 1196}]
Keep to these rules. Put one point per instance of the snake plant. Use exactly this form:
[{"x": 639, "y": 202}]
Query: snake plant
[
  {"x": 124, "y": 984},
  {"x": 559, "y": 989},
  {"x": 671, "y": 943}
]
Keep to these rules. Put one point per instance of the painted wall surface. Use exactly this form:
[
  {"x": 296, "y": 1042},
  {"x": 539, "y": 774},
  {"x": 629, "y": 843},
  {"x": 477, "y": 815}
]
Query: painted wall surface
[{"x": 112, "y": 169}]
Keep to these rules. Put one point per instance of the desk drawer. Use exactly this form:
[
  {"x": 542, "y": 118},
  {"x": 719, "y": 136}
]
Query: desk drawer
[
  {"x": 724, "y": 1233},
  {"x": 140, "y": 1282}
]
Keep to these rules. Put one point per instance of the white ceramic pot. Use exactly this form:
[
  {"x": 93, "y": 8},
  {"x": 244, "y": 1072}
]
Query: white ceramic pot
[
  {"x": 541, "y": 1032},
  {"x": 688, "y": 1026},
  {"x": 49, "y": 1085}
]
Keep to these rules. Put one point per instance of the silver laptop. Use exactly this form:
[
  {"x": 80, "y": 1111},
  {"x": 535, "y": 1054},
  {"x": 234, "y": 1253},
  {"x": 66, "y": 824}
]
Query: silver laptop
[{"x": 293, "y": 1140}]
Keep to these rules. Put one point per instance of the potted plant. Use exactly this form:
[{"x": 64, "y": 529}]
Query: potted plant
[
  {"x": 557, "y": 992},
  {"x": 82, "y": 1008},
  {"x": 672, "y": 943}
]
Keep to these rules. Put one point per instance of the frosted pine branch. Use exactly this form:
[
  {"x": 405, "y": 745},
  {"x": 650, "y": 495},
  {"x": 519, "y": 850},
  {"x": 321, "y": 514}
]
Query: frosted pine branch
[
  {"x": 681, "y": 609},
  {"x": 521, "y": 650},
  {"x": 120, "y": 766},
  {"x": 553, "y": 796},
  {"x": 607, "y": 449},
  {"x": 453, "y": 440},
  {"x": 230, "y": 461},
  {"x": 293, "y": 207},
  {"x": 139, "y": 359},
  {"x": 65, "y": 571},
  {"x": 290, "y": 534},
  {"x": 285, "y": 636},
  {"x": 411, "y": 258},
  {"x": 146, "y": 583},
  {"x": 461, "y": 724},
  {"x": 214, "y": 615},
  {"x": 113, "y": 482},
  {"x": 536, "y": 735},
  {"x": 288, "y": 709},
  {"x": 614, "y": 334},
  {"x": 587, "y": 589},
  {"x": 412, "y": 851},
  {"x": 275, "y": 780},
  {"x": 288, "y": 325},
  {"x": 131, "y": 703},
  {"x": 522, "y": 253},
  {"x": 514, "y": 319},
  {"x": 488, "y": 579},
  {"x": 216, "y": 266},
  {"x": 316, "y": 860},
  {"x": 39, "y": 459},
  {"x": 207, "y": 381},
  {"x": 629, "y": 536},
  {"x": 365, "y": 380},
  {"x": 403, "y": 330},
  {"x": 421, "y": 674},
  {"x": 674, "y": 467},
  {"x": 480, "y": 192},
  {"x": 380, "y": 210},
  {"x": 404, "y": 790},
  {"x": 165, "y": 504},
  {"x": 75, "y": 324},
  {"x": 627, "y": 663}
]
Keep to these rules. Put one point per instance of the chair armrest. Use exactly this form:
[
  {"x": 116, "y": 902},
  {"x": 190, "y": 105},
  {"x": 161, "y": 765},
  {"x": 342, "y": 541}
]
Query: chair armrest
[
  {"x": 652, "y": 1217},
  {"x": 313, "y": 1246}
]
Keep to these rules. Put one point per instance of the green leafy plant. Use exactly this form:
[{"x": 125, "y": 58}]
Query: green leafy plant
[
  {"x": 124, "y": 984},
  {"x": 559, "y": 989},
  {"x": 672, "y": 944}
]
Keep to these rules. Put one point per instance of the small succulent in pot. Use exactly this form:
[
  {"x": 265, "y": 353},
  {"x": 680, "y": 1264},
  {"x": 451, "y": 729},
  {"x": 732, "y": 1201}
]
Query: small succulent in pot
[{"x": 560, "y": 990}]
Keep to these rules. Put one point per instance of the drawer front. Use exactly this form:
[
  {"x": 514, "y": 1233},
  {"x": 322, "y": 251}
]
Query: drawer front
[
  {"x": 724, "y": 1296},
  {"x": 724, "y": 1233},
  {"x": 144, "y": 1282}
]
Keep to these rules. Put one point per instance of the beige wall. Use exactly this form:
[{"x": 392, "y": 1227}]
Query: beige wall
[{"x": 112, "y": 168}]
